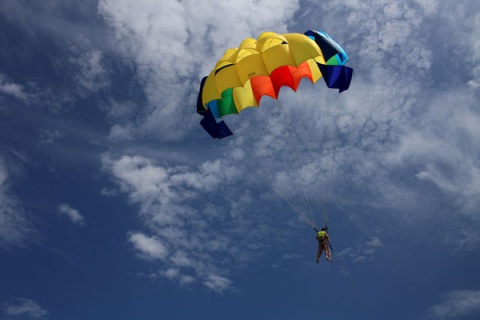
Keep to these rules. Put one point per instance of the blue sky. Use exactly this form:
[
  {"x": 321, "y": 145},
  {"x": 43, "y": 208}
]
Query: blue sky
[{"x": 115, "y": 204}]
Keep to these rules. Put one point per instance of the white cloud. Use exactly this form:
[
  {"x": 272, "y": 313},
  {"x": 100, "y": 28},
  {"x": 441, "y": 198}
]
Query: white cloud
[
  {"x": 181, "y": 259},
  {"x": 394, "y": 132},
  {"x": 149, "y": 247},
  {"x": 464, "y": 240},
  {"x": 48, "y": 136},
  {"x": 362, "y": 252},
  {"x": 91, "y": 73},
  {"x": 196, "y": 230},
  {"x": 7, "y": 87},
  {"x": 429, "y": 6},
  {"x": 443, "y": 146},
  {"x": 3, "y": 175},
  {"x": 33, "y": 93},
  {"x": 25, "y": 308},
  {"x": 171, "y": 273},
  {"x": 386, "y": 84},
  {"x": 383, "y": 35},
  {"x": 186, "y": 280},
  {"x": 15, "y": 228},
  {"x": 457, "y": 304},
  {"x": 217, "y": 283},
  {"x": 289, "y": 256},
  {"x": 469, "y": 47},
  {"x": 175, "y": 43},
  {"x": 161, "y": 190},
  {"x": 73, "y": 214},
  {"x": 83, "y": 72},
  {"x": 404, "y": 113}
]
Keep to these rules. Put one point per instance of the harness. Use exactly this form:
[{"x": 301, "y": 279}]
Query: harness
[{"x": 321, "y": 236}]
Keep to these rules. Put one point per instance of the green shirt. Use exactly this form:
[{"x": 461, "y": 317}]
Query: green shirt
[{"x": 321, "y": 235}]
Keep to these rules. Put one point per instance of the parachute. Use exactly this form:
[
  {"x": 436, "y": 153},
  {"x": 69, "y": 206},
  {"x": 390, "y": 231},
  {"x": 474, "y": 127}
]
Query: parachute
[{"x": 260, "y": 67}]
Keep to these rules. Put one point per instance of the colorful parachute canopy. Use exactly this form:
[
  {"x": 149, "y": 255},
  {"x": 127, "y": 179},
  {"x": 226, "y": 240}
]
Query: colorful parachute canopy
[{"x": 260, "y": 67}]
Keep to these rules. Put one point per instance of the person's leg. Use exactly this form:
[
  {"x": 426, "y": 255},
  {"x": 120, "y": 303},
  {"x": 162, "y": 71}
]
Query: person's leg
[
  {"x": 328, "y": 256},
  {"x": 319, "y": 251}
]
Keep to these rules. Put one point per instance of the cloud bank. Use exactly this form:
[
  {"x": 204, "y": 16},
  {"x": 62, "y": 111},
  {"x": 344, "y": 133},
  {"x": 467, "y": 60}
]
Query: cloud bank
[
  {"x": 197, "y": 229},
  {"x": 404, "y": 133}
]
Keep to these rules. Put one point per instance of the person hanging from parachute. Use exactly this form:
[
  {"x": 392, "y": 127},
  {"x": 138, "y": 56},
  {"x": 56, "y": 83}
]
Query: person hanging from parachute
[
  {"x": 323, "y": 244},
  {"x": 261, "y": 67}
]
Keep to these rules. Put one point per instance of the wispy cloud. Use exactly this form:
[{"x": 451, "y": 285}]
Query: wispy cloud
[
  {"x": 48, "y": 136},
  {"x": 15, "y": 228},
  {"x": 91, "y": 72},
  {"x": 457, "y": 304},
  {"x": 392, "y": 134},
  {"x": 25, "y": 308},
  {"x": 10, "y": 88},
  {"x": 196, "y": 235},
  {"x": 465, "y": 240},
  {"x": 72, "y": 213},
  {"x": 364, "y": 251},
  {"x": 291, "y": 256},
  {"x": 76, "y": 63},
  {"x": 217, "y": 283},
  {"x": 447, "y": 157},
  {"x": 404, "y": 114},
  {"x": 33, "y": 93}
]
